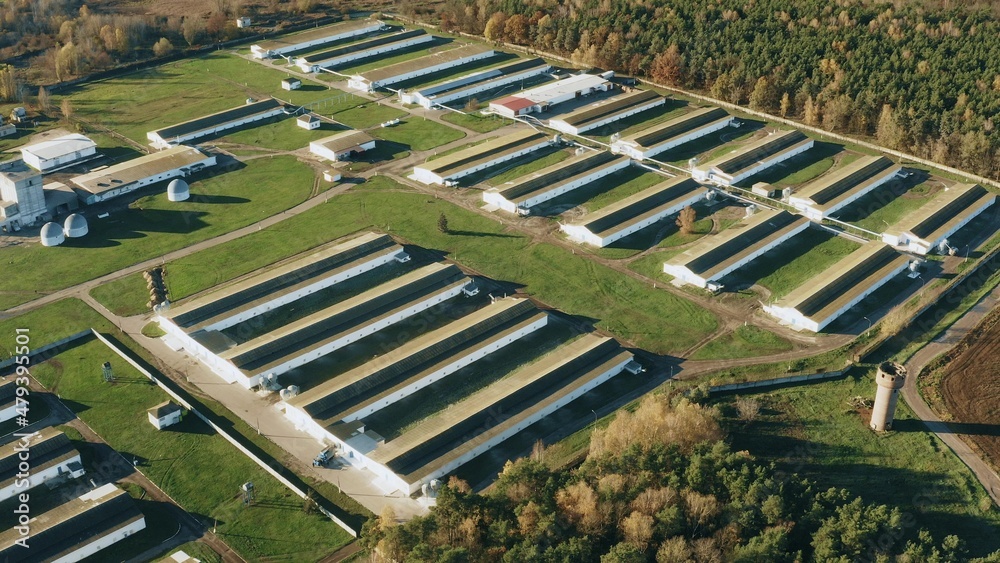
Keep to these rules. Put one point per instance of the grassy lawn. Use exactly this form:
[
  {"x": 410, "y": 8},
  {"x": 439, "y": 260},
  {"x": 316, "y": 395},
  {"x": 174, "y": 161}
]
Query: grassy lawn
[
  {"x": 419, "y": 134},
  {"x": 676, "y": 238},
  {"x": 283, "y": 135},
  {"x": 172, "y": 93},
  {"x": 527, "y": 164},
  {"x": 366, "y": 115},
  {"x": 745, "y": 342},
  {"x": 620, "y": 185},
  {"x": 651, "y": 265},
  {"x": 794, "y": 263},
  {"x": 178, "y": 460},
  {"x": 799, "y": 169},
  {"x": 52, "y": 322},
  {"x": 474, "y": 122},
  {"x": 813, "y": 431},
  {"x": 152, "y": 226},
  {"x": 887, "y": 204},
  {"x": 651, "y": 319}
]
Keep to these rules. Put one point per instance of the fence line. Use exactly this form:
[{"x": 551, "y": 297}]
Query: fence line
[
  {"x": 187, "y": 405},
  {"x": 777, "y": 381},
  {"x": 44, "y": 350}
]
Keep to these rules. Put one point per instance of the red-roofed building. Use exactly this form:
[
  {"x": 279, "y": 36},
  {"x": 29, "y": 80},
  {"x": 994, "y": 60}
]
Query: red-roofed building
[{"x": 512, "y": 106}]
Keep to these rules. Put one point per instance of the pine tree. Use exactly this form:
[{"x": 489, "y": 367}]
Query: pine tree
[{"x": 443, "y": 223}]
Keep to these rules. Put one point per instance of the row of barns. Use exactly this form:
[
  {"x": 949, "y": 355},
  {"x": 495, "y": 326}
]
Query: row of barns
[
  {"x": 816, "y": 204},
  {"x": 393, "y": 288}
]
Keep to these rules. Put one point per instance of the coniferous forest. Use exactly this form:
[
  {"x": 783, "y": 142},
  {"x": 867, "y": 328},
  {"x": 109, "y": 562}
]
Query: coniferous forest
[{"x": 918, "y": 76}]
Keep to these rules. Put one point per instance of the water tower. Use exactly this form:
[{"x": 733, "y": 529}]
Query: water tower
[{"x": 890, "y": 379}]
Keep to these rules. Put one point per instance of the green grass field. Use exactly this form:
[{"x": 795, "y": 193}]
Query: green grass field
[
  {"x": 794, "y": 263},
  {"x": 364, "y": 115},
  {"x": 650, "y": 319},
  {"x": 620, "y": 185},
  {"x": 887, "y": 204},
  {"x": 153, "y": 226},
  {"x": 746, "y": 341},
  {"x": 799, "y": 169},
  {"x": 178, "y": 460},
  {"x": 476, "y": 123},
  {"x": 527, "y": 164},
  {"x": 419, "y": 134},
  {"x": 283, "y": 135},
  {"x": 813, "y": 431},
  {"x": 175, "y": 92}
]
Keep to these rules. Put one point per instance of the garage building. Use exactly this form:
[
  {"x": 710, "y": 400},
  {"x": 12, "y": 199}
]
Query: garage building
[
  {"x": 53, "y": 154},
  {"x": 342, "y": 145}
]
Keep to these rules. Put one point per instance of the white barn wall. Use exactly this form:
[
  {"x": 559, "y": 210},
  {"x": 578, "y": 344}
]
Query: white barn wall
[
  {"x": 637, "y": 153},
  {"x": 39, "y": 477},
  {"x": 88, "y": 549},
  {"x": 459, "y": 363},
  {"x": 495, "y": 198},
  {"x": 260, "y": 53},
  {"x": 560, "y": 125},
  {"x": 160, "y": 143},
  {"x": 306, "y": 66},
  {"x": 685, "y": 275}
]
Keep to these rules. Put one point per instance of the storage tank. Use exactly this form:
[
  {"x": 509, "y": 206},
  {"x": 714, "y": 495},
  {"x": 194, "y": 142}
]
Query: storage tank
[
  {"x": 75, "y": 226},
  {"x": 52, "y": 234},
  {"x": 890, "y": 379},
  {"x": 178, "y": 190}
]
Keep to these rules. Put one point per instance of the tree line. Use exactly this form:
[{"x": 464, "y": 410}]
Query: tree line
[
  {"x": 658, "y": 484},
  {"x": 49, "y": 41},
  {"x": 921, "y": 77}
]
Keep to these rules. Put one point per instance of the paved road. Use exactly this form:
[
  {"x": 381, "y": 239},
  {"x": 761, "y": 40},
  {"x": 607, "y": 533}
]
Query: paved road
[{"x": 944, "y": 342}]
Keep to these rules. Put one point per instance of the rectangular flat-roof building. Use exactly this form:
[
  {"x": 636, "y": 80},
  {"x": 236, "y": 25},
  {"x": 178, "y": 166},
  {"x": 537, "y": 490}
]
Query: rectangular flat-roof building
[
  {"x": 606, "y": 111},
  {"x": 541, "y": 98},
  {"x": 553, "y": 181},
  {"x": 930, "y": 226},
  {"x": 314, "y": 37},
  {"x": 315, "y": 335},
  {"x": 753, "y": 158},
  {"x": 673, "y": 133},
  {"x": 832, "y": 192},
  {"x": 372, "y": 80},
  {"x": 469, "y": 428},
  {"x": 448, "y": 169},
  {"x": 635, "y": 212},
  {"x": 361, "y": 50},
  {"x": 715, "y": 256},
  {"x": 113, "y": 181},
  {"x": 821, "y": 300},
  {"x": 471, "y": 84},
  {"x": 369, "y": 388},
  {"x": 52, "y": 456},
  {"x": 342, "y": 145},
  {"x": 215, "y": 123},
  {"x": 53, "y": 154},
  {"x": 76, "y": 529},
  {"x": 544, "y": 97},
  {"x": 282, "y": 283},
  {"x": 22, "y": 198}
]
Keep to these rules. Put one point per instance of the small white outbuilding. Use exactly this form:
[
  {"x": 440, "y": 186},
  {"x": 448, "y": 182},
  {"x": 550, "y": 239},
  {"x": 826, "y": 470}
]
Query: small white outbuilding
[{"x": 165, "y": 414}]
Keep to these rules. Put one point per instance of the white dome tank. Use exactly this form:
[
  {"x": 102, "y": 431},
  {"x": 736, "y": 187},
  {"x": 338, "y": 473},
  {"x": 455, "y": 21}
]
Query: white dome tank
[
  {"x": 52, "y": 234},
  {"x": 178, "y": 190},
  {"x": 75, "y": 226}
]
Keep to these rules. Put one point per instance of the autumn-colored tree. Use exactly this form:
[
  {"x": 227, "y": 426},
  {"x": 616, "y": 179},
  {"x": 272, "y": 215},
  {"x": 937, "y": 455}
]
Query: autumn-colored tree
[
  {"x": 668, "y": 67},
  {"x": 747, "y": 409},
  {"x": 66, "y": 108},
  {"x": 44, "y": 103},
  {"x": 638, "y": 530},
  {"x": 163, "y": 47},
  {"x": 578, "y": 503},
  {"x": 495, "y": 29},
  {"x": 686, "y": 220},
  {"x": 786, "y": 106}
]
